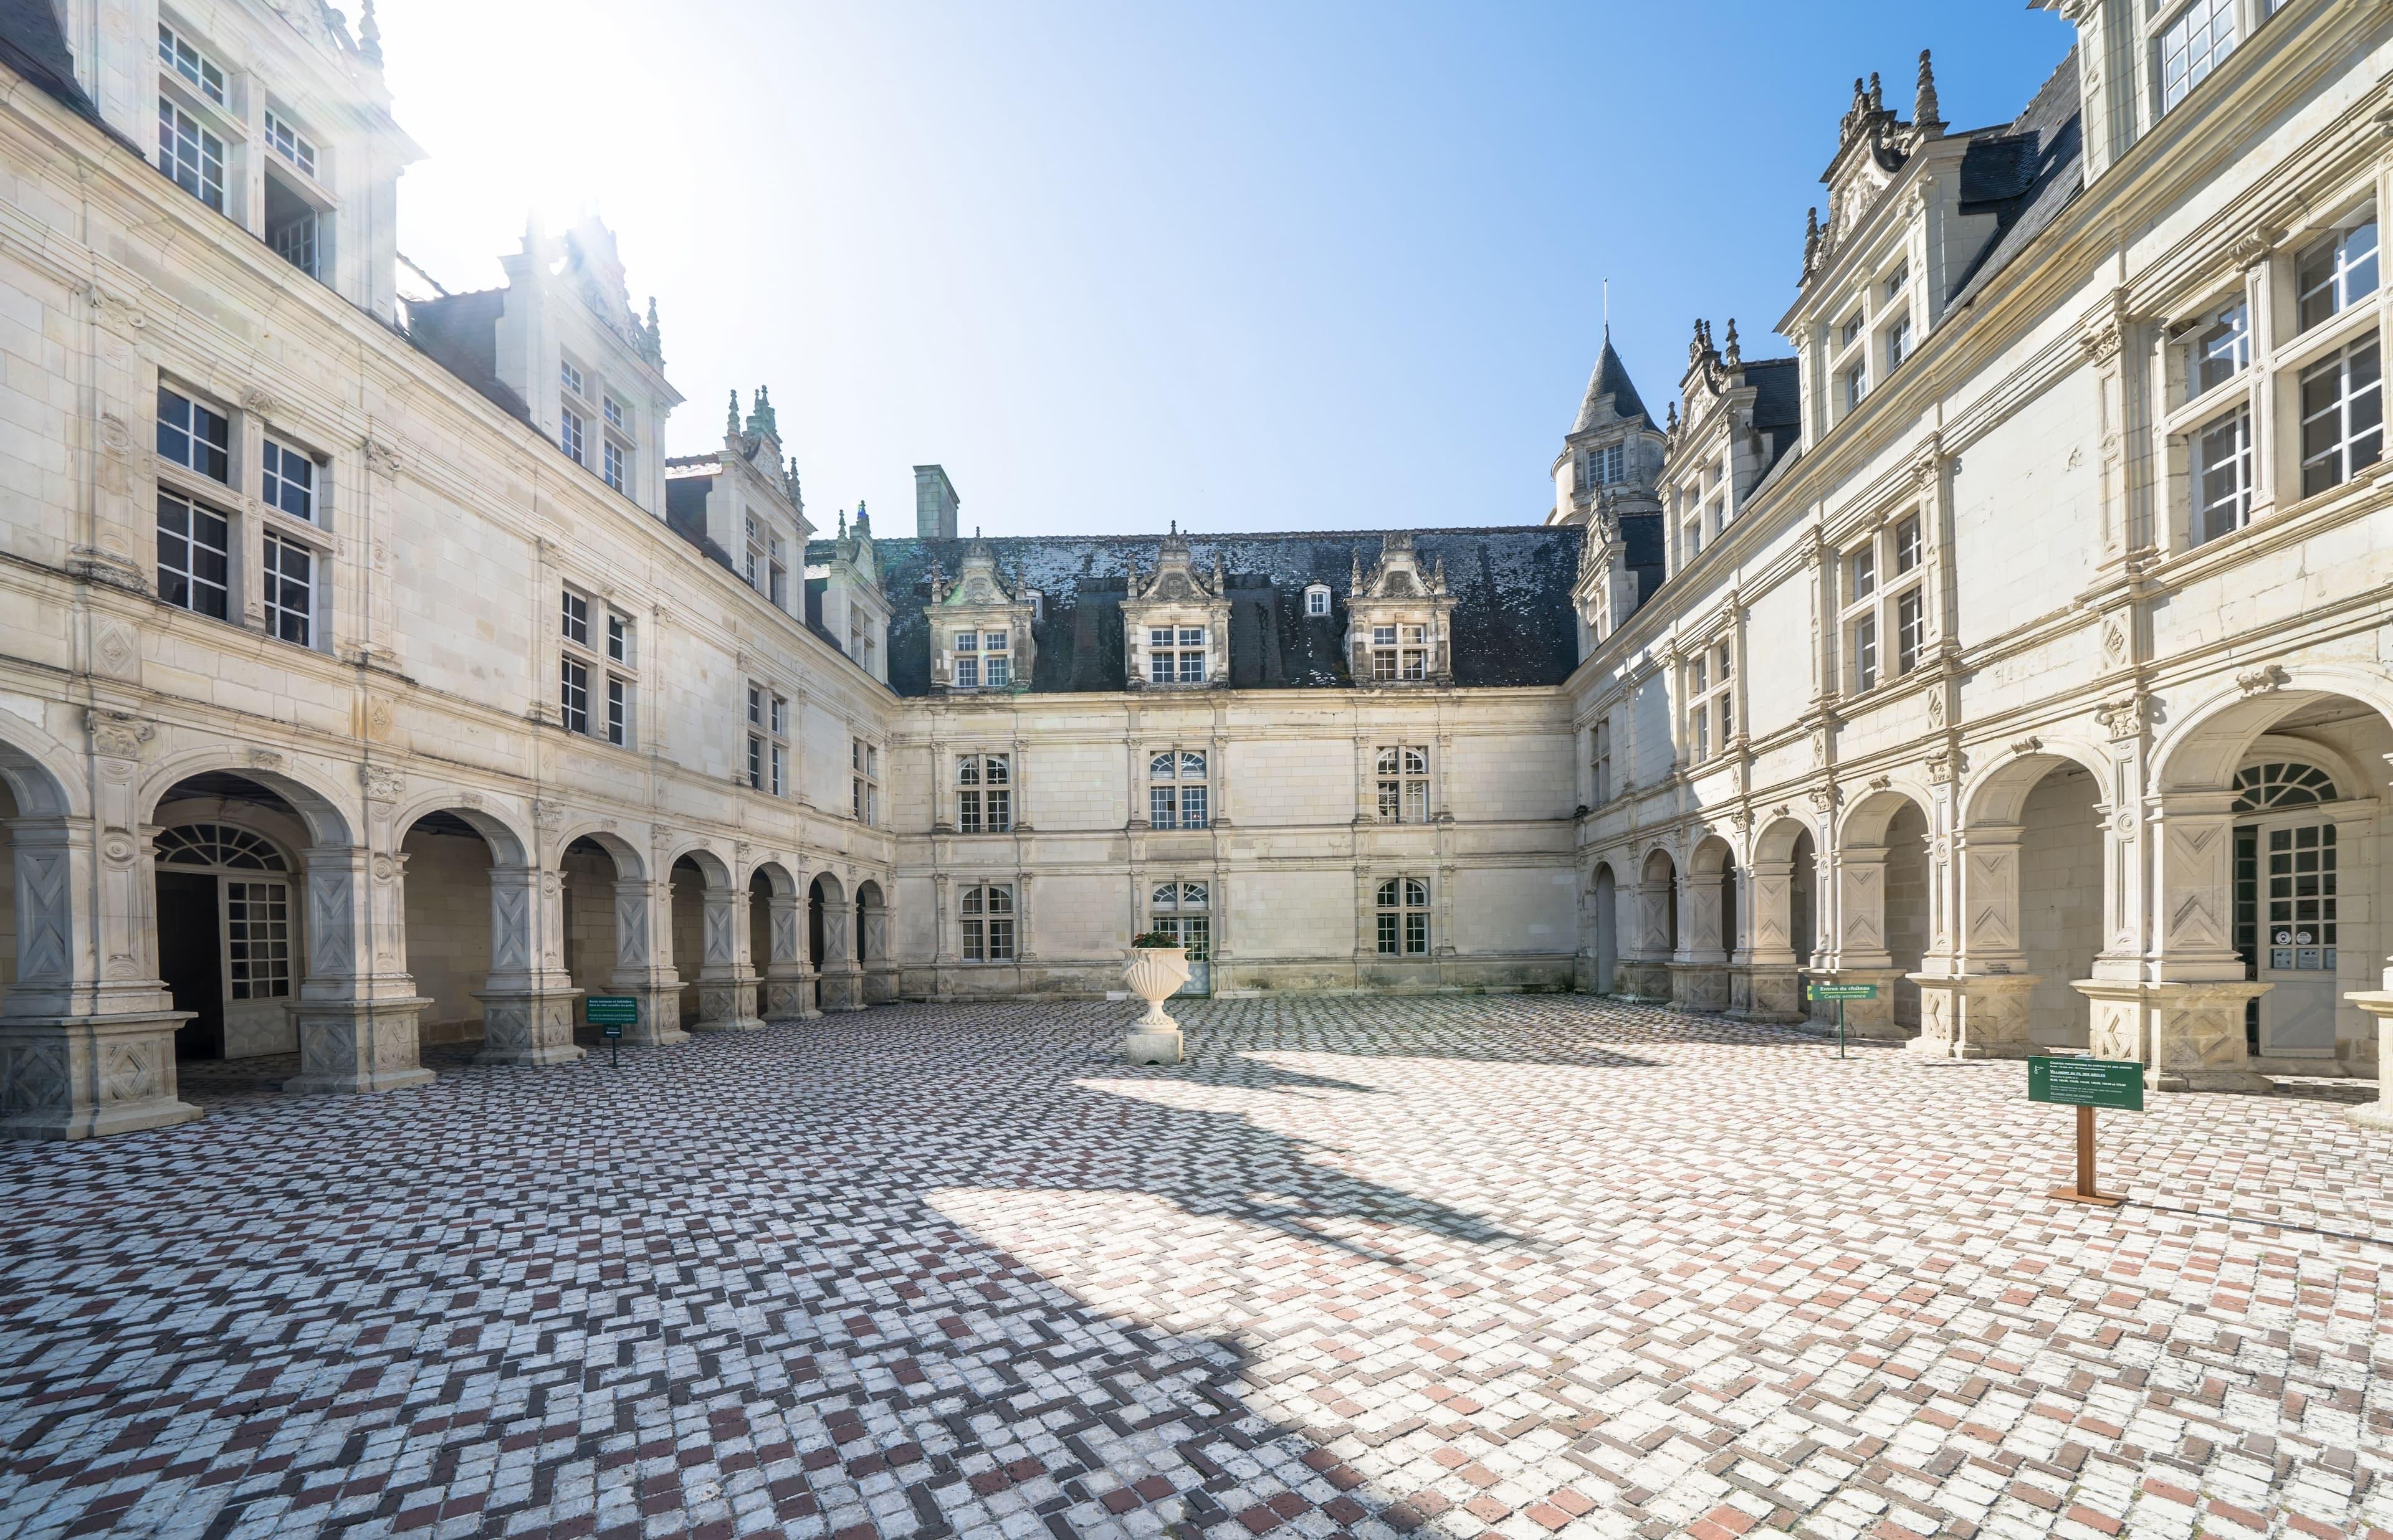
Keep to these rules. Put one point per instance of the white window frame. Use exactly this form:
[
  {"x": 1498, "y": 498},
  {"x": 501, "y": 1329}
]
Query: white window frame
[
  {"x": 187, "y": 578},
  {"x": 1317, "y": 600},
  {"x": 194, "y": 65},
  {"x": 1178, "y": 655},
  {"x": 289, "y": 474},
  {"x": 191, "y": 152},
  {"x": 1401, "y": 775},
  {"x": 864, "y": 781},
  {"x": 984, "y": 785},
  {"x": 572, "y": 434},
  {"x": 767, "y": 765},
  {"x": 986, "y": 916},
  {"x": 1707, "y": 684},
  {"x": 1402, "y": 910},
  {"x": 1179, "y": 788},
  {"x": 201, "y": 454},
  {"x": 287, "y": 586},
  {"x": 1182, "y": 907}
]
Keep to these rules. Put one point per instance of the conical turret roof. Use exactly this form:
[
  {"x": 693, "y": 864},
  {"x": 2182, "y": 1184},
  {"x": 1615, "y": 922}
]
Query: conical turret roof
[{"x": 1611, "y": 378}]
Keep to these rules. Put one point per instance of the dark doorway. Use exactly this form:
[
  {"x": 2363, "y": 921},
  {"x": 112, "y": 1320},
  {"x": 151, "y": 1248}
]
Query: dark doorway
[
  {"x": 814, "y": 924},
  {"x": 191, "y": 961},
  {"x": 863, "y": 951}
]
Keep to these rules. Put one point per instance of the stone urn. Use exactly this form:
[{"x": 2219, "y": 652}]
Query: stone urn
[{"x": 1153, "y": 974}]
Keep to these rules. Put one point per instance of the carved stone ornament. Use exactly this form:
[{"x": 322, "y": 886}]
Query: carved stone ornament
[
  {"x": 2114, "y": 644},
  {"x": 469, "y": 799},
  {"x": 258, "y": 400},
  {"x": 114, "y": 437},
  {"x": 2265, "y": 679},
  {"x": 118, "y": 848},
  {"x": 741, "y": 850},
  {"x": 1822, "y": 798},
  {"x": 1940, "y": 764},
  {"x": 2026, "y": 746},
  {"x": 114, "y": 310},
  {"x": 119, "y": 735},
  {"x": 2102, "y": 340},
  {"x": 2253, "y": 246},
  {"x": 2123, "y": 718},
  {"x": 382, "y": 457},
  {"x": 1881, "y": 783},
  {"x": 385, "y": 866},
  {"x": 1936, "y": 708},
  {"x": 266, "y": 758},
  {"x": 383, "y": 784},
  {"x": 547, "y": 816}
]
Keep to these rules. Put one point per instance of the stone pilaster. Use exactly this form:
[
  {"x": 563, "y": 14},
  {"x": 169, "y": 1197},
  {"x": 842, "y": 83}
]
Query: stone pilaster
[
  {"x": 2189, "y": 1037},
  {"x": 358, "y": 1010},
  {"x": 643, "y": 912},
  {"x": 726, "y": 987},
  {"x": 529, "y": 1003},
  {"x": 1974, "y": 1015}
]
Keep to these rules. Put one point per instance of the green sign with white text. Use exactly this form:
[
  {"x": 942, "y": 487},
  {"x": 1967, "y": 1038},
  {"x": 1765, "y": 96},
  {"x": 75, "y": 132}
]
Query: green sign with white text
[
  {"x": 2114, "y": 1083},
  {"x": 612, "y": 1009},
  {"x": 1844, "y": 991}
]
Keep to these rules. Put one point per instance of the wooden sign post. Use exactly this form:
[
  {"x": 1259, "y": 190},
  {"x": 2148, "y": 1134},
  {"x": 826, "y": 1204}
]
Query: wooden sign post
[
  {"x": 610, "y": 1014},
  {"x": 2087, "y": 1084},
  {"x": 1841, "y": 993}
]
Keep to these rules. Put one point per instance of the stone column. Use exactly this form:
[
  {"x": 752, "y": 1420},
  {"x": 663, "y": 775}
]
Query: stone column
[
  {"x": 642, "y": 913},
  {"x": 2379, "y": 1112},
  {"x": 357, "y": 1009},
  {"x": 788, "y": 990},
  {"x": 880, "y": 970},
  {"x": 842, "y": 980},
  {"x": 1650, "y": 970},
  {"x": 1978, "y": 1008},
  {"x": 2184, "y": 1020},
  {"x": 726, "y": 984},
  {"x": 1699, "y": 968},
  {"x": 529, "y": 1001},
  {"x": 1858, "y": 878},
  {"x": 1775, "y": 985},
  {"x": 88, "y": 1030}
]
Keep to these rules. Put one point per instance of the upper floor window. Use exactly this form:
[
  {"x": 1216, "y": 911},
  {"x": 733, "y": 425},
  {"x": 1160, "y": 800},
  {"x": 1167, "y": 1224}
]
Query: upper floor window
[
  {"x": 1400, "y": 651},
  {"x": 2337, "y": 272},
  {"x": 194, "y": 557},
  {"x": 571, "y": 435},
  {"x": 575, "y": 617},
  {"x": 1404, "y": 784},
  {"x": 988, "y": 921},
  {"x": 2222, "y": 476},
  {"x": 1897, "y": 280},
  {"x": 864, "y": 781},
  {"x": 194, "y": 436},
  {"x": 1600, "y": 762},
  {"x": 1175, "y": 655},
  {"x": 768, "y": 740},
  {"x": 289, "y": 590},
  {"x": 615, "y": 461},
  {"x": 2343, "y": 416},
  {"x": 1711, "y": 700},
  {"x": 2220, "y": 350},
  {"x": 182, "y": 56},
  {"x": 1851, "y": 333},
  {"x": 1176, "y": 793},
  {"x": 1853, "y": 385},
  {"x": 190, "y": 155},
  {"x": 1607, "y": 466},
  {"x": 584, "y": 673},
  {"x": 984, "y": 794},
  {"x": 570, "y": 375},
  {"x": 1906, "y": 544},
  {"x": 2195, "y": 41},
  {"x": 1404, "y": 917},
  {"x": 1860, "y": 574},
  {"x": 1872, "y": 612},
  {"x": 289, "y": 143},
  {"x": 1316, "y": 599},
  {"x": 995, "y": 660},
  {"x": 619, "y": 638},
  {"x": 612, "y": 409},
  {"x": 288, "y": 480},
  {"x": 1898, "y": 343}
]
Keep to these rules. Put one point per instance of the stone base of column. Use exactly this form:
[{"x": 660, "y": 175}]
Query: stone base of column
[
  {"x": 1974, "y": 1015},
  {"x": 527, "y": 1026},
  {"x": 728, "y": 1006},
  {"x": 659, "y": 1022},
  {"x": 87, "y": 1077},
  {"x": 355, "y": 1047},
  {"x": 786, "y": 997},
  {"x": 1873, "y": 1019},
  {"x": 843, "y": 989},
  {"x": 1765, "y": 992},
  {"x": 1699, "y": 986},
  {"x": 2189, "y": 1037},
  {"x": 1643, "y": 980},
  {"x": 1153, "y": 1046},
  {"x": 2379, "y": 1112},
  {"x": 879, "y": 983}
]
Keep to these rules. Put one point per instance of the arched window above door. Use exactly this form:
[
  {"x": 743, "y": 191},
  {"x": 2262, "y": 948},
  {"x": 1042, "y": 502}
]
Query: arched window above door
[
  {"x": 2281, "y": 783},
  {"x": 217, "y": 845}
]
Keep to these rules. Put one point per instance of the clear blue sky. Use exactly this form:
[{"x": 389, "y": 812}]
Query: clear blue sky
[{"x": 1249, "y": 266}]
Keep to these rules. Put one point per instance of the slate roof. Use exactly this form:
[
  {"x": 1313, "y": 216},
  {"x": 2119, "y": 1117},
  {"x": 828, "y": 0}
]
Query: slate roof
[
  {"x": 461, "y": 333},
  {"x": 1611, "y": 378},
  {"x": 2024, "y": 176},
  {"x": 1777, "y": 404},
  {"x": 33, "y": 44},
  {"x": 1512, "y": 618}
]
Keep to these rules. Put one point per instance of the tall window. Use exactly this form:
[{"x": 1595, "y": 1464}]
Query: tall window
[
  {"x": 571, "y": 434},
  {"x": 2221, "y": 349},
  {"x": 183, "y": 57},
  {"x": 2302, "y": 897},
  {"x": 1400, "y": 652},
  {"x": 574, "y": 694},
  {"x": 1175, "y": 655},
  {"x": 291, "y": 228},
  {"x": 1600, "y": 753},
  {"x": 864, "y": 781},
  {"x": 2195, "y": 41},
  {"x": 966, "y": 670},
  {"x": 1711, "y": 700},
  {"x": 194, "y": 557},
  {"x": 620, "y": 659},
  {"x": 1853, "y": 384},
  {"x": 1910, "y": 630},
  {"x": 2343, "y": 416},
  {"x": 288, "y": 482},
  {"x": 1861, "y": 612},
  {"x": 989, "y": 923},
  {"x": 1404, "y": 784},
  {"x": 194, "y": 436},
  {"x": 190, "y": 155},
  {"x": 1181, "y": 911},
  {"x": 582, "y": 669},
  {"x": 1177, "y": 792},
  {"x": 618, "y": 461},
  {"x": 768, "y": 740},
  {"x": 289, "y": 143},
  {"x": 2337, "y": 272},
  {"x": 995, "y": 660},
  {"x": 1404, "y": 917},
  {"x": 575, "y": 619},
  {"x": 984, "y": 794},
  {"x": 290, "y": 589},
  {"x": 568, "y": 375},
  {"x": 2222, "y": 476},
  {"x": 1898, "y": 343}
]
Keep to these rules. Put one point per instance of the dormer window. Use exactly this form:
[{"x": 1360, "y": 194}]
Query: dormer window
[
  {"x": 613, "y": 411},
  {"x": 1316, "y": 599},
  {"x": 1399, "y": 652},
  {"x": 997, "y": 662},
  {"x": 1175, "y": 655},
  {"x": 569, "y": 377},
  {"x": 182, "y": 56},
  {"x": 289, "y": 143},
  {"x": 1853, "y": 384},
  {"x": 1896, "y": 281},
  {"x": 1851, "y": 333},
  {"x": 1898, "y": 343},
  {"x": 2195, "y": 42},
  {"x": 967, "y": 669}
]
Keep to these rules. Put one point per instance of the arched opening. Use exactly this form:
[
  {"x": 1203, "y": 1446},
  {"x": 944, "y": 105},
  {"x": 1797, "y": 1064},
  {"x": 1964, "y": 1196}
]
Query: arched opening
[
  {"x": 591, "y": 871},
  {"x": 777, "y": 926},
  {"x": 710, "y": 941},
  {"x": 1657, "y": 926},
  {"x": 2303, "y": 893},
  {"x": 1699, "y": 974},
  {"x": 1803, "y": 898},
  {"x": 1883, "y": 913},
  {"x": 1604, "y": 896},
  {"x": 231, "y": 915},
  {"x": 2060, "y": 900},
  {"x": 1907, "y": 906},
  {"x": 831, "y": 924},
  {"x": 759, "y": 920},
  {"x": 690, "y": 885},
  {"x": 448, "y": 924}
]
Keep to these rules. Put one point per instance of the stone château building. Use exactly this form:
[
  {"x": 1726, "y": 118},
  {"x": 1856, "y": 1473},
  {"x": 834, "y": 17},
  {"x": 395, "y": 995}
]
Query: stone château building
[{"x": 369, "y": 676}]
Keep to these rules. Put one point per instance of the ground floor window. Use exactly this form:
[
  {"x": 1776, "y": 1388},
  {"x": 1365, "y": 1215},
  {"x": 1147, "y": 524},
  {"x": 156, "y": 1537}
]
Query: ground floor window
[
  {"x": 1404, "y": 917},
  {"x": 989, "y": 923},
  {"x": 1181, "y": 910}
]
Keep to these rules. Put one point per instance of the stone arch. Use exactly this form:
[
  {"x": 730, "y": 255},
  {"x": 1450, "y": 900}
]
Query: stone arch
[
  {"x": 1996, "y": 794},
  {"x": 1657, "y": 923},
  {"x": 611, "y": 921},
  {"x": 630, "y": 863},
  {"x": 2203, "y": 750},
  {"x": 324, "y": 808},
  {"x": 777, "y": 928},
  {"x": 43, "y": 776},
  {"x": 872, "y": 943},
  {"x": 710, "y": 941},
  {"x": 1603, "y": 898},
  {"x": 830, "y": 928},
  {"x": 1884, "y": 902},
  {"x": 503, "y": 979},
  {"x": 2033, "y": 881},
  {"x": 510, "y": 843},
  {"x": 1779, "y": 915}
]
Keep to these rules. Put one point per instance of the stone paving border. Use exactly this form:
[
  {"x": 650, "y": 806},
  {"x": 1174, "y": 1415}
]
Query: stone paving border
[{"x": 1505, "y": 1266}]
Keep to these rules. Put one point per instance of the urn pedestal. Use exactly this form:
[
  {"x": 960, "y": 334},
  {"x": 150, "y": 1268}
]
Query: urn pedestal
[
  {"x": 1153, "y": 974},
  {"x": 2379, "y": 1112}
]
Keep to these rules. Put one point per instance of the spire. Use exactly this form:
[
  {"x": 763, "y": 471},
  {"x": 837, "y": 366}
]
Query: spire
[
  {"x": 761, "y": 421},
  {"x": 842, "y": 523},
  {"x": 731, "y": 422},
  {"x": 1924, "y": 111},
  {"x": 1877, "y": 96},
  {"x": 1734, "y": 357},
  {"x": 1611, "y": 378},
  {"x": 370, "y": 36},
  {"x": 1810, "y": 241},
  {"x": 656, "y": 339}
]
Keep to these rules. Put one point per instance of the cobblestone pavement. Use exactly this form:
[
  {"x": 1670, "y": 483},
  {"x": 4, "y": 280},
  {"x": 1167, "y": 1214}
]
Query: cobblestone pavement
[{"x": 1363, "y": 1268}]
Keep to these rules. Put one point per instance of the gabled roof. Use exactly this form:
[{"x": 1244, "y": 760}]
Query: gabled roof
[
  {"x": 2024, "y": 175},
  {"x": 1512, "y": 621},
  {"x": 1611, "y": 378}
]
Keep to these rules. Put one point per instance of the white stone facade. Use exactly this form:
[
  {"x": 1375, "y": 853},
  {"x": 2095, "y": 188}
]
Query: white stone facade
[{"x": 368, "y": 676}]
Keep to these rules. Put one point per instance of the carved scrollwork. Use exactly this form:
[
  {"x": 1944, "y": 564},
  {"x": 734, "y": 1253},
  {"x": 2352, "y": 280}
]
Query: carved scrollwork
[
  {"x": 2265, "y": 679},
  {"x": 119, "y": 735},
  {"x": 383, "y": 784}
]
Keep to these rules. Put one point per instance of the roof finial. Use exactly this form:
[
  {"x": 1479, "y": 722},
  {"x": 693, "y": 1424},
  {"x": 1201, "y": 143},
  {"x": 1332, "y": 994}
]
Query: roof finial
[
  {"x": 1810, "y": 241},
  {"x": 731, "y": 422},
  {"x": 1877, "y": 96},
  {"x": 1734, "y": 357},
  {"x": 760, "y": 420},
  {"x": 843, "y": 527},
  {"x": 656, "y": 349},
  {"x": 370, "y": 36},
  {"x": 1924, "y": 110}
]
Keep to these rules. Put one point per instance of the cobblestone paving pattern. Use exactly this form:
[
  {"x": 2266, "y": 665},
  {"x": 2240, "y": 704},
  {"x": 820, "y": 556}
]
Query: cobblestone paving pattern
[{"x": 1363, "y": 1268}]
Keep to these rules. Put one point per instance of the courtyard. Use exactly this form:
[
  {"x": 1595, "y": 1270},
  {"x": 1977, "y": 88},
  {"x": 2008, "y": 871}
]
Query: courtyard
[{"x": 1511, "y": 1265}]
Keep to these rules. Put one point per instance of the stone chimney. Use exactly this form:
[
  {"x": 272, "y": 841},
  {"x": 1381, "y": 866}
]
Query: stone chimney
[{"x": 934, "y": 503}]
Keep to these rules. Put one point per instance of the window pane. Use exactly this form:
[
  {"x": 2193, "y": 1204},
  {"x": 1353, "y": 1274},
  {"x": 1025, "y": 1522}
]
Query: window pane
[
  {"x": 1192, "y": 766},
  {"x": 288, "y": 581}
]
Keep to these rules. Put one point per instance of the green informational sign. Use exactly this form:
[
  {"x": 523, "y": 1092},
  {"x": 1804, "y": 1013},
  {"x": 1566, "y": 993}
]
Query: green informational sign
[
  {"x": 1844, "y": 991},
  {"x": 2113, "y": 1083},
  {"x": 612, "y": 1010}
]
